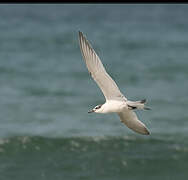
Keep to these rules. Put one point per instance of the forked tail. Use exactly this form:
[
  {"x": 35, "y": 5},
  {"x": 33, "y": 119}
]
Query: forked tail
[{"x": 138, "y": 105}]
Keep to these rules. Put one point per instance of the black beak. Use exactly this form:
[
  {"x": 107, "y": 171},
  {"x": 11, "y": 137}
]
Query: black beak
[{"x": 91, "y": 111}]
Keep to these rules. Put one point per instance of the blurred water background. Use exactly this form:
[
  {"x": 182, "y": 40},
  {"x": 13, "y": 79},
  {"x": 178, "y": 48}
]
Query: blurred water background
[{"x": 46, "y": 91}]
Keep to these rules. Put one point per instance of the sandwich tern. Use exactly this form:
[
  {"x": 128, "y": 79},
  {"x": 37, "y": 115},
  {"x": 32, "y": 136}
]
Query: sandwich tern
[{"x": 116, "y": 102}]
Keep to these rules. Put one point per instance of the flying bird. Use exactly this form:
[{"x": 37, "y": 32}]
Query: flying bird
[{"x": 116, "y": 102}]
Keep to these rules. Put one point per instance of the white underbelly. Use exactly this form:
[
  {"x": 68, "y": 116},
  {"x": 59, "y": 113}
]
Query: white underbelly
[{"x": 115, "y": 106}]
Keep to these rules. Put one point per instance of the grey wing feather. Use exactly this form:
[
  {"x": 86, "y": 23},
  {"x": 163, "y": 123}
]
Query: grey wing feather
[
  {"x": 97, "y": 70},
  {"x": 129, "y": 118}
]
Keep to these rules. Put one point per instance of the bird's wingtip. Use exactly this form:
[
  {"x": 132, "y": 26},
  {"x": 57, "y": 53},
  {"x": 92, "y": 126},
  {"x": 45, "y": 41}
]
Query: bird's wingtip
[
  {"x": 147, "y": 132},
  {"x": 80, "y": 33}
]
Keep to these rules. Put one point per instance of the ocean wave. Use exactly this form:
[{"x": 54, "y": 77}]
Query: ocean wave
[
  {"x": 91, "y": 157},
  {"x": 86, "y": 142}
]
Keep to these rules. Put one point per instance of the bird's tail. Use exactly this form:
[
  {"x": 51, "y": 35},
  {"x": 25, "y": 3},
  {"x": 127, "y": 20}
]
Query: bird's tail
[
  {"x": 143, "y": 102},
  {"x": 138, "y": 104}
]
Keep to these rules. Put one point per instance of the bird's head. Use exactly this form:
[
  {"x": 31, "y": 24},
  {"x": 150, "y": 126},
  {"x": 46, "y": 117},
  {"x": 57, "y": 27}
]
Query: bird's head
[{"x": 96, "y": 109}]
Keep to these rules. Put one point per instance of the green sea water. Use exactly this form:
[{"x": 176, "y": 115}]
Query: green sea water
[{"x": 46, "y": 91}]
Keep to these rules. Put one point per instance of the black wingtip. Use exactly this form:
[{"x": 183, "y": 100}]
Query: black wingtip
[
  {"x": 80, "y": 33},
  {"x": 146, "y": 132}
]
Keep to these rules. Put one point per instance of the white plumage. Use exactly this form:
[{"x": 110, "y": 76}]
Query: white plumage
[{"x": 115, "y": 100}]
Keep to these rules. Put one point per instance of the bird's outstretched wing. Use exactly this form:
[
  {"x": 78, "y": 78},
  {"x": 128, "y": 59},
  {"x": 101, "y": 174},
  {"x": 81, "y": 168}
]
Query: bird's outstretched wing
[
  {"x": 129, "y": 118},
  {"x": 97, "y": 70}
]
